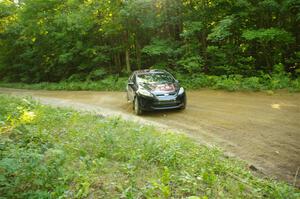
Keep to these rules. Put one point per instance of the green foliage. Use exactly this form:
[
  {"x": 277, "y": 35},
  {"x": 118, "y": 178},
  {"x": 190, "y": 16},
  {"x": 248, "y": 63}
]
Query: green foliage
[
  {"x": 268, "y": 35},
  {"x": 269, "y": 5},
  {"x": 158, "y": 48},
  {"x": 111, "y": 83},
  {"x": 222, "y": 30},
  {"x": 191, "y": 64},
  {"x": 58, "y": 41},
  {"x": 191, "y": 29},
  {"x": 280, "y": 80},
  {"x": 60, "y": 153},
  {"x": 240, "y": 83},
  {"x": 97, "y": 74}
]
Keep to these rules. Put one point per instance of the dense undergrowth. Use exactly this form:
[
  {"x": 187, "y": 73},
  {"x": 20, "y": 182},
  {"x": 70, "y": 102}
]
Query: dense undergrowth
[
  {"x": 110, "y": 83},
  {"x": 198, "y": 81},
  {"x": 60, "y": 153}
]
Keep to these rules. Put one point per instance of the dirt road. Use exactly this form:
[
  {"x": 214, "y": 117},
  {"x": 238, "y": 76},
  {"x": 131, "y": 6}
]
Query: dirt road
[{"x": 262, "y": 129}]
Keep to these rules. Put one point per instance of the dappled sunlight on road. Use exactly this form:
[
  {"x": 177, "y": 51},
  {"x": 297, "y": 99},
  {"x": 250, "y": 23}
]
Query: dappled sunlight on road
[{"x": 275, "y": 106}]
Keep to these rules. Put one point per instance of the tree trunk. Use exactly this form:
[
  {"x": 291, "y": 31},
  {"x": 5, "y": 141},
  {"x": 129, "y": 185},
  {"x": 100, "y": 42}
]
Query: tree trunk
[
  {"x": 203, "y": 41},
  {"x": 116, "y": 61},
  {"x": 128, "y": 68},
  {"x": 138, "y": 54},
  {"x": 127, "y": 54},
  {"x": 119, "y": 62}
]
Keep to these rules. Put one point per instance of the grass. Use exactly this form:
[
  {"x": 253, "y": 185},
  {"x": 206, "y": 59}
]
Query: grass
[
  {"x": 60, "y": 153},
  {"x": 108, "y": 84},
  {"x": 229, "y": 83},
  {"x": 240, "y": 83}
]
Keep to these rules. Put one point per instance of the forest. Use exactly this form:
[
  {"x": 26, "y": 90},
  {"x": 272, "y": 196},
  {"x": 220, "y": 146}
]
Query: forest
[{"x": 90, "y": 40}]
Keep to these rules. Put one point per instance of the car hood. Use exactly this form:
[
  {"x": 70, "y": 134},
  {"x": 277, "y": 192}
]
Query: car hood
[{"x": 160, "y": 88}]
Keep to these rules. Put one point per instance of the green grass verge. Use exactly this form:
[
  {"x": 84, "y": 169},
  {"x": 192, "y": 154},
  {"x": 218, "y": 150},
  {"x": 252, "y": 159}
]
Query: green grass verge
[
  {"x": 240, "y": 83},
  {"x": 60, "y": 153},
  {"x": 229, "y": 83},
  {"x": 109, "y": 84}
]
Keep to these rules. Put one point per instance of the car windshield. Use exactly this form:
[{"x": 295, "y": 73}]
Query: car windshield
[{"x": 155, "y": 78}]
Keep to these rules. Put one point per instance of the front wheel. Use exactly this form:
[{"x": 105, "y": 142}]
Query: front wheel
[
  {"x": 127, "y": 97},
  {"x": 184, "y": 104},
  {"x": 136, "y": 107},
  {"x": 183, "y": 107}
]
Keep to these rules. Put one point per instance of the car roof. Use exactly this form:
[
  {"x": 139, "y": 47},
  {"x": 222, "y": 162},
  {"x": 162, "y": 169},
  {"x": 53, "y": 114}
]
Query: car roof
[{"x": 147, "y": 71}]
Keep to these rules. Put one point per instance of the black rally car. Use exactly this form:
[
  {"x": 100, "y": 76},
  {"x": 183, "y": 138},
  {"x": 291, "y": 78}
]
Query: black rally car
[{"x": 154, "y": 90}]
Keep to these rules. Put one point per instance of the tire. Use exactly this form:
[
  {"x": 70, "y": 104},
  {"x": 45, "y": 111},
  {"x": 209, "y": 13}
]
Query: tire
[
  {"x": 183, "y": 107},
  {"x": 184, "y": 104},
  {"x": 127, "y": 97},
  {"x": 136, "y": 107}
]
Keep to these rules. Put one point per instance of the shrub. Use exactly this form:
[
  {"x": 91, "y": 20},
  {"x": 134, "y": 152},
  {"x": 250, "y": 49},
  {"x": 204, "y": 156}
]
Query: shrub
[
  {"x": 196, "y": 81},
  {"x": 251, "y": 83}
]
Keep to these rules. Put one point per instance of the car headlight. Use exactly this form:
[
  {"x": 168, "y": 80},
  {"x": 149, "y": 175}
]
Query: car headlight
[
  {"x": 181, "y": 91},
  {"x": 144, "y": 92}
]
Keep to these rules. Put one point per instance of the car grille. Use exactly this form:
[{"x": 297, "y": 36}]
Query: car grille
[
  {"x": 166, "y": 102},
  {"x": 169, "y": 94}
]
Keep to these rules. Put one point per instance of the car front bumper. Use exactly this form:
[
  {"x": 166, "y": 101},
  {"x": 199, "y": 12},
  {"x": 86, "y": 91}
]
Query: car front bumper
[{"x": 162, "y": 103}]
